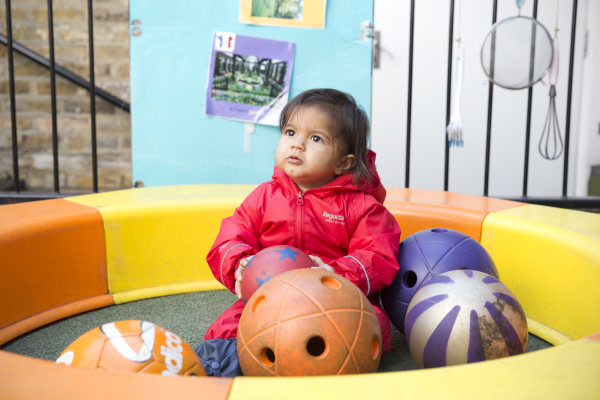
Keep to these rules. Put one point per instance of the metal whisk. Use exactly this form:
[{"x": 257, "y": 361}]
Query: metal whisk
[{"x": 551, "y": 143}]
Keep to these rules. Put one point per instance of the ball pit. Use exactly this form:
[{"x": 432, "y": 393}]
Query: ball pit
[{"x": 96, "y": 250}]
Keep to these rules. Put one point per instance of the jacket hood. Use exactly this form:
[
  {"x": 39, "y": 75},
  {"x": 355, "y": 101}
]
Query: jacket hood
[{"x": 342, "y": 182}]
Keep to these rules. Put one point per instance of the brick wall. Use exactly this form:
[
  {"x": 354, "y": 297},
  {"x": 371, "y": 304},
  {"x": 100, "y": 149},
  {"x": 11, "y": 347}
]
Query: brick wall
[{"x": 33, "y": 102}]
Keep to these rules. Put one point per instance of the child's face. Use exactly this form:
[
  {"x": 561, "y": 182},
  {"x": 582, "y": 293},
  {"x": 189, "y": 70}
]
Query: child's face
[{"x": 306, "y": 151}]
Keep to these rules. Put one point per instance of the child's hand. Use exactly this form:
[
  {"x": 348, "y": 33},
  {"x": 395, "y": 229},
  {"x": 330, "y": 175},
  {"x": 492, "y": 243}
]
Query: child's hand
[
  {"x": 239, "y": 273},
  {"x": 319, "y": 264}
]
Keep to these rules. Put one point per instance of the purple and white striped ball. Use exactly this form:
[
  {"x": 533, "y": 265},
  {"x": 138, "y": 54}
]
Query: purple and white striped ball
[{"x": 464, "y": 316}]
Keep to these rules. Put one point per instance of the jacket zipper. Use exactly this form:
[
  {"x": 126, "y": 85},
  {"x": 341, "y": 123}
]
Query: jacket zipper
[
  {"x": 299, "y": 212},
  {"x": 299, "y": 218}
]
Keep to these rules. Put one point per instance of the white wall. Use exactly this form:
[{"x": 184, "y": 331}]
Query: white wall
[
  {"x": 389, "y": 102},
  {"x": 589, "y": 147}
]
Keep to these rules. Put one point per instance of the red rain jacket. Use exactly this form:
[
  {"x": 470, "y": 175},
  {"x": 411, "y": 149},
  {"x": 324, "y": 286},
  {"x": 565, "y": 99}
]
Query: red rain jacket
[{"x": 346, "y": 227}]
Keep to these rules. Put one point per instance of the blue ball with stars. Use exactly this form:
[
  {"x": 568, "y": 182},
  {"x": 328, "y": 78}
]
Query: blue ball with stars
[{"x": 270, "y": 262}]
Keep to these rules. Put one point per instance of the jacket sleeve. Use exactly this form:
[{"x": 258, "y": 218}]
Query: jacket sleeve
[
  {"x": 372, "y": 260},
  {"x": 238, "y": 238}
]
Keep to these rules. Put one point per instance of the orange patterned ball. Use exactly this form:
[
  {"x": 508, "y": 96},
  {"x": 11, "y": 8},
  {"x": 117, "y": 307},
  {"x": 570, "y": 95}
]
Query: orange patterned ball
[
  {"x": 133, "y": 346},
  {"x": 308, "y": 322}
]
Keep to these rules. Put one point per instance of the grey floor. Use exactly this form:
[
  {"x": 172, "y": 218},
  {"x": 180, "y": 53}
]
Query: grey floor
[{"x": 188, "y": 315}]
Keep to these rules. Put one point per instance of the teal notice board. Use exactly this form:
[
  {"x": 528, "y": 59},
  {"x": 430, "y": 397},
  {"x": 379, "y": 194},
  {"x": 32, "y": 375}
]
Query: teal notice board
[{"x": 173, "y": 141}]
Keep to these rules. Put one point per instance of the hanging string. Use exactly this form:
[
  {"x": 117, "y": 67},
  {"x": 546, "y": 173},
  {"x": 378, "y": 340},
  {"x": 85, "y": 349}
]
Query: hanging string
[
  {"x": 459, "y": 22},
  {"x": 556, "y": 20},
  {"x": 519, "y": 4}
]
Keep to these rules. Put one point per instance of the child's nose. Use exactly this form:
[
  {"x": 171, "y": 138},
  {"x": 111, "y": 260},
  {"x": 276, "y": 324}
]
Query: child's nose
[{"x": 298, "y": 142}]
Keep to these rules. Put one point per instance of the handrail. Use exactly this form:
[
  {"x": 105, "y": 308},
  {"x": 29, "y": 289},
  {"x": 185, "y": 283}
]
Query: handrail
[
  {"x": 65, "y": 73},
  {"x": 590, "y": 203}
]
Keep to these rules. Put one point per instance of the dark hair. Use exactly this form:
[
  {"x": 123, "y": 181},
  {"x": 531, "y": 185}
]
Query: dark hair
[{"x": 350, "y": 125}]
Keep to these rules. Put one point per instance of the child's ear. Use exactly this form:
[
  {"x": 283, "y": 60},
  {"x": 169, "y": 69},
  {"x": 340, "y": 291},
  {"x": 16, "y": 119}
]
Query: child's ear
[{"x": 346, "y": 163}]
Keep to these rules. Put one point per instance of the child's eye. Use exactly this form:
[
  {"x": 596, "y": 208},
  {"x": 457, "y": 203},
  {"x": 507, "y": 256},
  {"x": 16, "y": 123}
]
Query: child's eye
[
  {"x": 289, "y": 132},
  {"x": 315, "y": 138}
]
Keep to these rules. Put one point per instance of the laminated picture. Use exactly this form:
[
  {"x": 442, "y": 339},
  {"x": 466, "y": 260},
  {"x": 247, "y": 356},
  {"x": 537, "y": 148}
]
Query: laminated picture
[
  {"x": 289, "y": 9},
  {"x": 288, "y": 13},
  {"x": 249, "y": 78}
]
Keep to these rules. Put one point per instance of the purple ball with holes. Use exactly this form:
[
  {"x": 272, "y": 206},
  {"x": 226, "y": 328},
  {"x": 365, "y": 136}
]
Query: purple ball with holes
[
  {"x": 426, "y": 254},
  {"x": 464, "y": 316}
]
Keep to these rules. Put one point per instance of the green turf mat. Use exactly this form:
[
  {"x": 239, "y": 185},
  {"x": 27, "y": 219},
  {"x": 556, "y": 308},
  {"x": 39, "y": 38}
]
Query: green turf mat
[{"x": 189, "y": 315}]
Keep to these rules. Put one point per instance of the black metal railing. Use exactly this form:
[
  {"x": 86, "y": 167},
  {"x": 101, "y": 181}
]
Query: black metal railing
[
  {"x": 564, "y": 200},
  {"x": 490, "y": 102},
  {"x": 50, "y": 63},
  {"x": 94, "y": 91}
]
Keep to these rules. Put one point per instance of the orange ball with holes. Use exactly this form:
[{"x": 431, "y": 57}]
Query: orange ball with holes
[{"x": 308, "y": 322}]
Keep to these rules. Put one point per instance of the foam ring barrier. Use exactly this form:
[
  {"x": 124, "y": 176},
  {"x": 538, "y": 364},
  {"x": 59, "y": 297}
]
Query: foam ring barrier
[{"x": 549, "y": 257}]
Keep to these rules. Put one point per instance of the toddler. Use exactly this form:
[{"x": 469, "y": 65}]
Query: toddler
[{"x": 325, "y": 198}]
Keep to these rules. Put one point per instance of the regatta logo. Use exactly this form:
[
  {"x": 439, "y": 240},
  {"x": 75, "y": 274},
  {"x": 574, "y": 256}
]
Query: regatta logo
[{"x": 334, "y": 218}]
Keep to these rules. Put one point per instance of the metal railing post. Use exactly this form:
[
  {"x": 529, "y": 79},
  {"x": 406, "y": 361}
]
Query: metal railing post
[
  {"x": 13, "y": 105},
  {"x": 53, "y": 97}
]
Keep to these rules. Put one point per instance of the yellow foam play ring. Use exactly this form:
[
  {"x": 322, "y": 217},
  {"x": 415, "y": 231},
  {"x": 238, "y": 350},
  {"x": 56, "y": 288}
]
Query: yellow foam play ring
[{"x": 550, "y": 259}]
